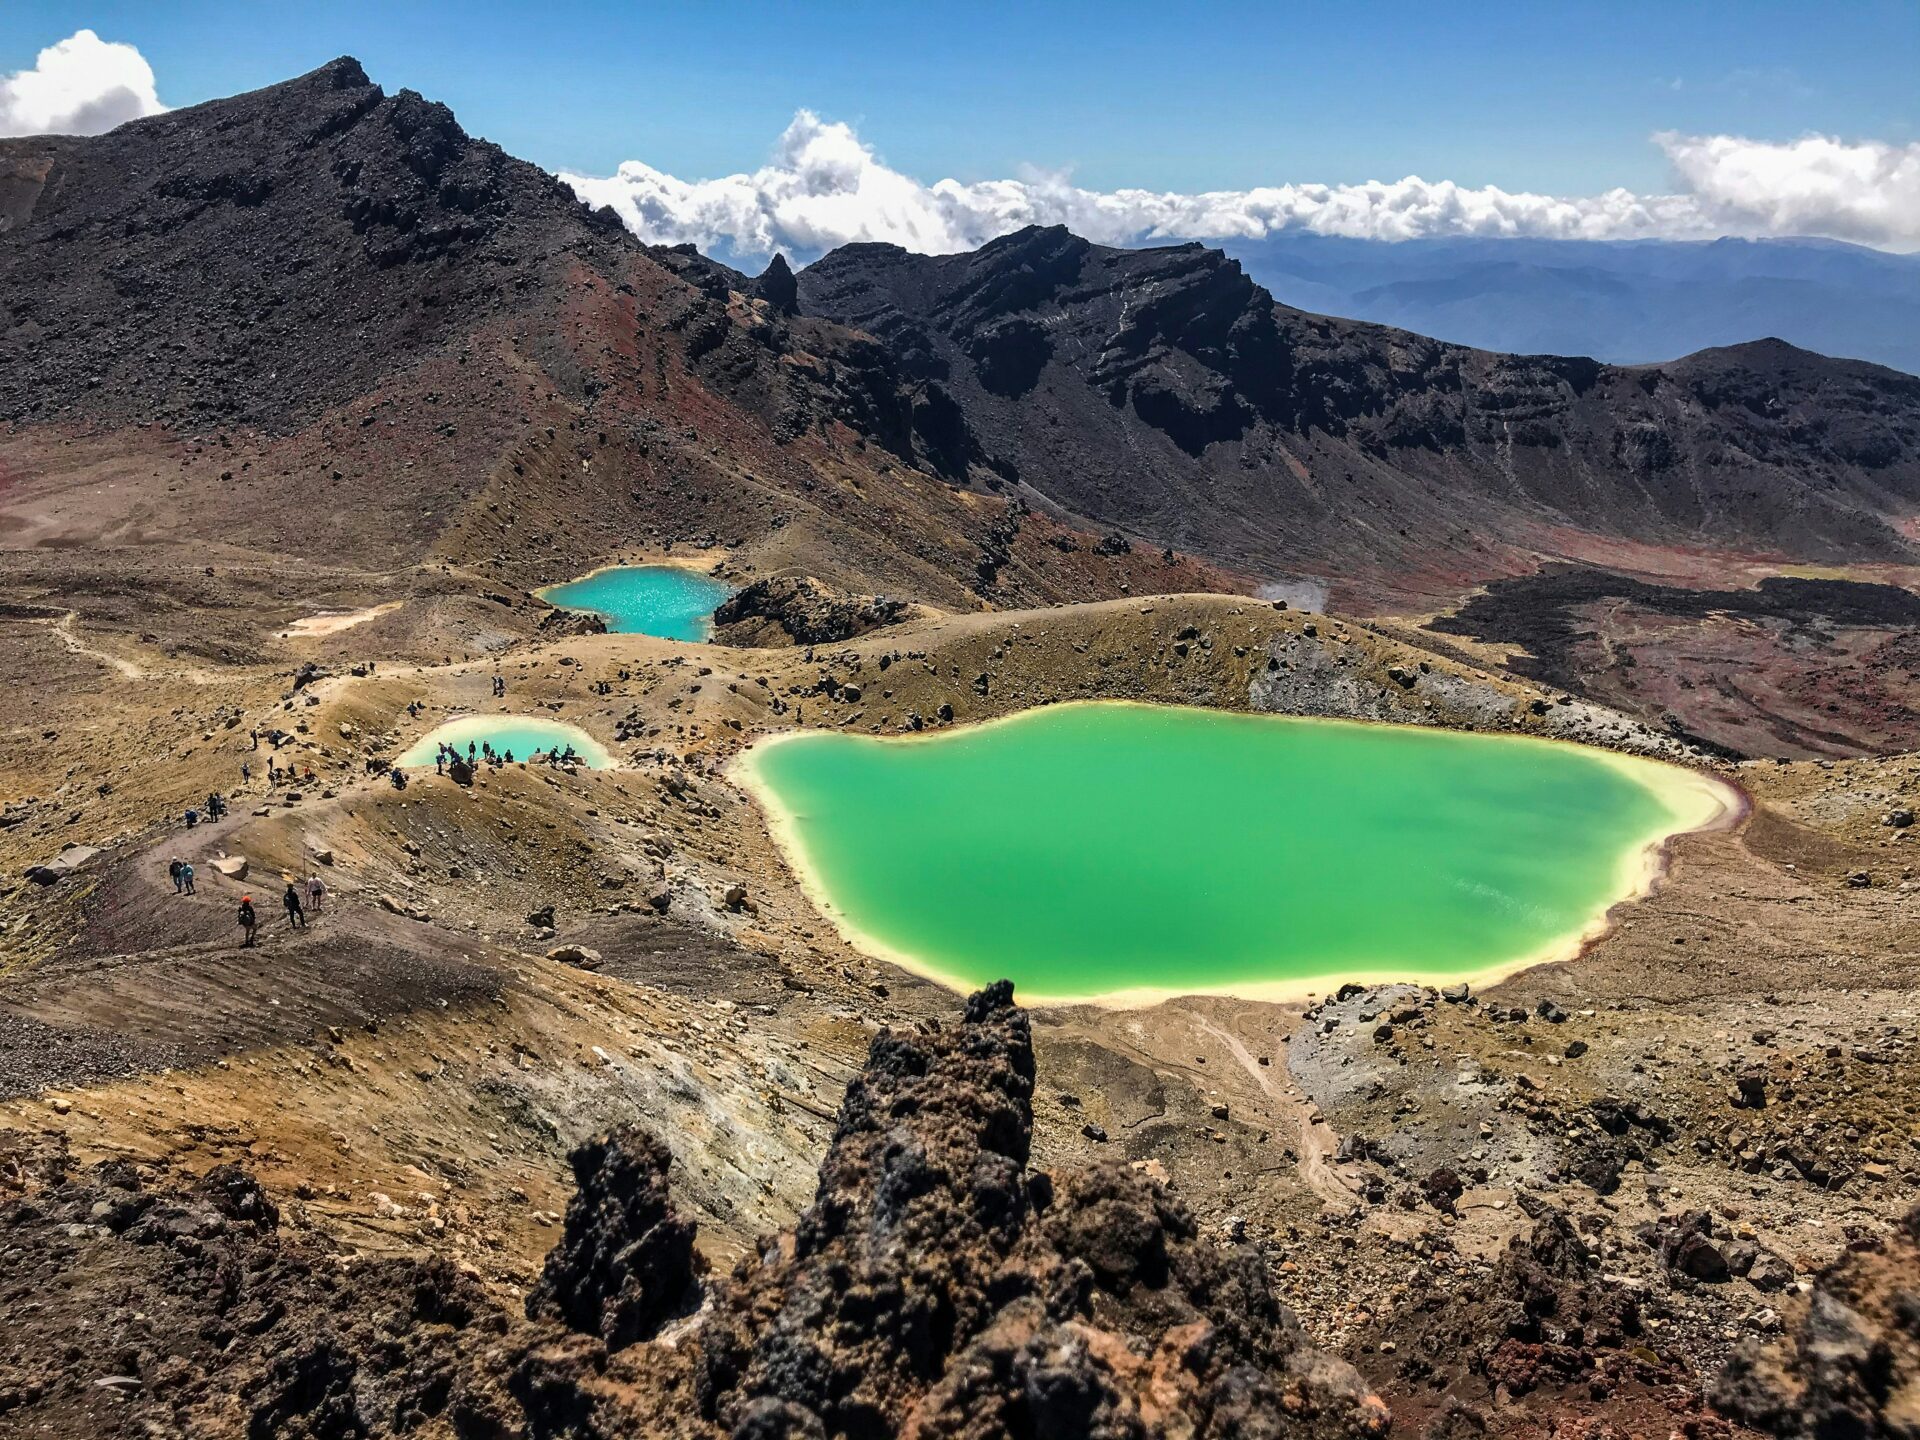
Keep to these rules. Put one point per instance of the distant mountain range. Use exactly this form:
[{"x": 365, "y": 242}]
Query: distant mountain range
[
  {"x": 1628, "y": 302},
  {"x": 332, "y": 294}
]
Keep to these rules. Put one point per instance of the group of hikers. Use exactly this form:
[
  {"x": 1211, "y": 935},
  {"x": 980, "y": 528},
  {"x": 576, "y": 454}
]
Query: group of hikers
[
  {"x": 299, "y": 900},
  {"x": 296, "y": 908},
  {"x": 278, "y": 773},
  {"x": 449, "y": 758},
  {"x": 216, "y": 808}
]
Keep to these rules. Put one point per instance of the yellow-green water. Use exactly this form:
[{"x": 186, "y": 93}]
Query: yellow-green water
[{"x": 1112, "y": 849}]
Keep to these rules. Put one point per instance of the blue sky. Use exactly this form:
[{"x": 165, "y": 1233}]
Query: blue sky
[{"x": 1556, "y": 98}]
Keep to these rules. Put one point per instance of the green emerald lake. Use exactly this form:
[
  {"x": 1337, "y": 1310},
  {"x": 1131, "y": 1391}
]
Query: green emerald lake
[
  {"x": 662, "y": 600},
  {"x": 1106, "y": 849}
]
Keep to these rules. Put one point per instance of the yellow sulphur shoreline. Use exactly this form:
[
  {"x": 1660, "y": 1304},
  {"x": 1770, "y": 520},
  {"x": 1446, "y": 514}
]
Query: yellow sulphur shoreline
[{"x": 1696, "y": 802}]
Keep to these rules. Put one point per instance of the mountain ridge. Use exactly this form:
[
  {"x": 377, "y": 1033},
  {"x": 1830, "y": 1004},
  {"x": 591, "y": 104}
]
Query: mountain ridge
[
  {"x": 1146, "y": 387},
  {"x": 275, "y": 259}
]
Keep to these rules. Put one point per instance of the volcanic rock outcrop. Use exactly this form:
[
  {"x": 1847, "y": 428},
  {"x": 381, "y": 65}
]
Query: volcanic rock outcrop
[
  {"x": 1850, "y": 1365},
  {"x": 799, "y": 610},
  {"x": 626, "y": 1260},
  {"x": 1164, "y": 391},
  {"x": 935, "y": 1287}
]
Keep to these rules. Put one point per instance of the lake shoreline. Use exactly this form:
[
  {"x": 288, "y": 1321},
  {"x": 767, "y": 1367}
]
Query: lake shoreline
[{"x": 1696, "y": 801}]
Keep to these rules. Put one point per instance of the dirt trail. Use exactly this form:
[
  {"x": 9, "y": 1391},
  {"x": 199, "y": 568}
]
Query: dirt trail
[
  {"x": 130, "y": 669},
  {"x": 63, "y": 631},
  {"x": 1316, "y": 1141}
]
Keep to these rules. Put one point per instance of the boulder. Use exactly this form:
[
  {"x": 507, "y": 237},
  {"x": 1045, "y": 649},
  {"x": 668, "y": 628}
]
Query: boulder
[
  {"x": 626, "y": 1260},
  {"x": 62, "y": 865},
  {"x": 1699, "y": 1257},
  {"x": 1770, "y": 1272},
  {"x": 234, "y": 867},
  {"x": 584, "y": 956}
]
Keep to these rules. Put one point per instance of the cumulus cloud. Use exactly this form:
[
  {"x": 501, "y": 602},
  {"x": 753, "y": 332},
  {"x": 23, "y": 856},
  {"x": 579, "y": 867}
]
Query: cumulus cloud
[
  {"x": 824, "y": 186},
  {"x": 1868, "y": 192},
  {"x": 81, "y": 86}
]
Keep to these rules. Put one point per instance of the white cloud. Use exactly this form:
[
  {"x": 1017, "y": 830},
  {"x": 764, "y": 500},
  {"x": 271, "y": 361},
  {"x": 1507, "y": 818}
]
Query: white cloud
[
  {"x": 1867, "y": 192},
  {"x": 824, "y": 186},
  {"x": 81, "y": 86}
]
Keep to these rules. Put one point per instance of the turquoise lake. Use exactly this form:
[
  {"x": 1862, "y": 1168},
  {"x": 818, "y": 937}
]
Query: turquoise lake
[
  {"x": 661, "y": 600},
  {"x": 522, "y": 734}
]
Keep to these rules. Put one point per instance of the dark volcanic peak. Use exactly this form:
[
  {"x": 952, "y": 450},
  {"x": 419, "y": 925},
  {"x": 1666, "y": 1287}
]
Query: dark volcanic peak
[
  {"x": 256, "y": 258},
  {"x": 1165, "y": 391}
]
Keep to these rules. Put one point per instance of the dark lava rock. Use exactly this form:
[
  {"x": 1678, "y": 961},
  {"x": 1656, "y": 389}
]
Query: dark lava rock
[
  {"x": 1850, "y": 1366},
  {"x": 1686, "y": 1246},
  {"x": 925, "y": 1292},
  {"x": 798, "y": 610},
  {"x": 1598, "y": 1165},
  {"x": 777, "y": 286},
  {"x": 625, "y": 1261},
  {"x": 1545, "y": 1319},
  {"x": 1442, "y": 1188}
]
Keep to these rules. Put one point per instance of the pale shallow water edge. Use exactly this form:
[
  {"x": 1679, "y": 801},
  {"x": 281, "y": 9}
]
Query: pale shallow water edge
[
  {"x": 1696, "y": 802},
  {"x": 546, "y": 735}
]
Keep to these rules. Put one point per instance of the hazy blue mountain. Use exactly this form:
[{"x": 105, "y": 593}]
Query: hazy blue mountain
[{"x": 1625, "y": 302}]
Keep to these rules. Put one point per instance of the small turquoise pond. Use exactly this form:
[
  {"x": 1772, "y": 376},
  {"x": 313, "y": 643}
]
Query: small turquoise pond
[
  {"x": 522, "y": 734},
  {"x": 662, "y": 600}
]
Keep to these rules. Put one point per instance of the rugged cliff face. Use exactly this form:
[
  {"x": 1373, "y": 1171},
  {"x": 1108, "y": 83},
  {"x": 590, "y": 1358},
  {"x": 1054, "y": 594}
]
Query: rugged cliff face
[
  {"x": 357, "y": 296},
  {"x": 936, "y": 1287},
  {"x": 1163, "y": 391},
  {"x": 322, "y": 318}
]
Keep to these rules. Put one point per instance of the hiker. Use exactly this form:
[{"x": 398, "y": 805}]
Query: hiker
[
  {"x": 248, "y": 920},
  {"x": 296, "y": 913},
  {"x": 316, "y": 893},
  {"x": 440, "y": 762},
  {"x": 216, "y": 805},
  {"x": 399, "y": 777},
  {"x": 246, "y": 774},
  {"x": 173, "y": 873},
  {"x": 193, "y": 818},
  {"x": 254, "y": 736},
  {"x": 186, "y": 877},
  {"x": 270, "y": 772},
  {"x": 507, "y": 757}
]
